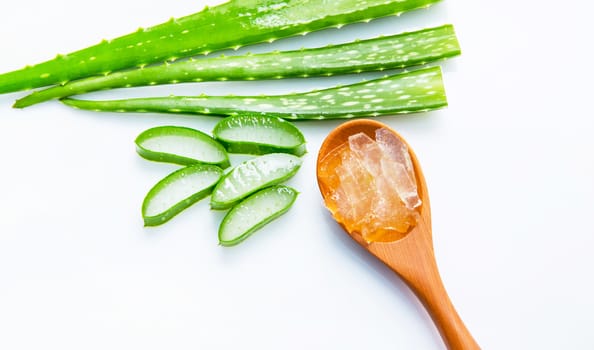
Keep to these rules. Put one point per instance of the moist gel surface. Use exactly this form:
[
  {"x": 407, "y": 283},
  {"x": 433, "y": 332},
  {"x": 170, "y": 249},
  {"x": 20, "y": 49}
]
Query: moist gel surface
[{"x": 372, "y": 186}]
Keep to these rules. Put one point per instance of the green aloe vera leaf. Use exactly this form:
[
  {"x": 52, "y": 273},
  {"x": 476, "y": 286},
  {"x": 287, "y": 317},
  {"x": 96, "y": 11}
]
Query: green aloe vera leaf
[
  {"x": 180, "y": 145},
  {"x": 254, "y": 212},
  {"x": 417, "y": 91},
  {"x": 230, "y": 25},
  {"x": 253, "y": 175},
  {"x": 389, "y": 52},
  {"x": 258, "y": 134},
  {"x": 178, "y": 191}
]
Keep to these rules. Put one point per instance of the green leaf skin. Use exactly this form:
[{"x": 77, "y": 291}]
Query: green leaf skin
[
  {"x": 258, "y": 134},
  {"x": 180, "y": 145},
  {"x": 390, "y": 52},
  {"x": 417, "y": 91},
  {"x": 231, "y": 25},
  {"x": 178, "y": 191},
  {"x": 254, "y": 212}
]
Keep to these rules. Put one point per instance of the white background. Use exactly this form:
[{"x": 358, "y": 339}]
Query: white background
[{"x": 510, "y": 169}]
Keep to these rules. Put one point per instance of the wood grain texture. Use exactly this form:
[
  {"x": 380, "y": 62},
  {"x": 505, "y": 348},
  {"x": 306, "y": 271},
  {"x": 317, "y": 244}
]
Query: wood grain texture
[{"x": 411, "y": 257}]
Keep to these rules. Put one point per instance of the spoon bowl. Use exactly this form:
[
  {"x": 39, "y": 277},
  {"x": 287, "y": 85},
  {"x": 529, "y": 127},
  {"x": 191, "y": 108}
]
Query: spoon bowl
[{"x": 411, "y": 257}]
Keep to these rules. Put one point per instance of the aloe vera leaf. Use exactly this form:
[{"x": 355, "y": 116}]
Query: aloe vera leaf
[
  {"x": 180, "y": 145},
  {"x": 178, "y": 191},
  {"x": 254, "y": 212},
  {"x": 258, "y": 134},
  {"x": 233, "y": 24},
  {"x": 389, "y": 52},
  {"x": 416, "y": 91}
]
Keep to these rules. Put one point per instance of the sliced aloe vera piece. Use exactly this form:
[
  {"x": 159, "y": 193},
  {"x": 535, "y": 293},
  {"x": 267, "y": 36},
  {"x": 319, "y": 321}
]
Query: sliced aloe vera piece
[
  {"x": 416, "y": 91},
  {"x": 251, "y": 176},
  {"x": 178, "y": 191},
  {"x": 254, "y": 212},
  {"x": 259, "y": 134},
  {"x": 180, "y": 145}
]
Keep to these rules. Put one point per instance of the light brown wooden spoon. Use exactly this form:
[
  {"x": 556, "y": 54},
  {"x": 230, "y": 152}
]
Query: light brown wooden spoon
[{"x": 411, "y": 257}]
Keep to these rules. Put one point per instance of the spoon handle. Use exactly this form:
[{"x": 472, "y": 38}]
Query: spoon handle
[
  {"x": 437, "y": 302},
  {"x": 422, "y": 276}
]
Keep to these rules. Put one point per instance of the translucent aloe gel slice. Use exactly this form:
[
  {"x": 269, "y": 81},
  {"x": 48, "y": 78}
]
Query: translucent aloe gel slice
[
  {"x": 180, "y": 145},
  {"x": 253, "y": 134},
  {"x": 254, "y": 212},
  {"x": 253, "y": 175},
  {"x": 178, "y": 191}
]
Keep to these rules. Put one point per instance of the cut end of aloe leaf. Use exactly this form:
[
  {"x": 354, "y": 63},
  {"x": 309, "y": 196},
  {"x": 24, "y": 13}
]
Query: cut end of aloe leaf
[
  {"x": 180, "y": 145},
  {"x": 253, "y": 175},
  {"x": 254, "y": 212},
  {"x": 259, "y": 134},
  {"x": 178, "y": 191}
]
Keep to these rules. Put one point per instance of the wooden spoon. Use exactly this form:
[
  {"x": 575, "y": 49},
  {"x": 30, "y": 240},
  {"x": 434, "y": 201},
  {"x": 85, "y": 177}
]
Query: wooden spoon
[{"x": 411, "y": 257}]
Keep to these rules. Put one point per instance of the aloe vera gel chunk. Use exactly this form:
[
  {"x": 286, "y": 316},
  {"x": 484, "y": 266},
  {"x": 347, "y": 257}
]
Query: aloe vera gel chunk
[{"x": 254, "y": 212}]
